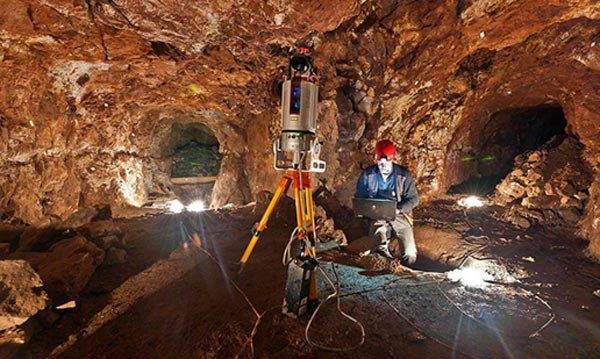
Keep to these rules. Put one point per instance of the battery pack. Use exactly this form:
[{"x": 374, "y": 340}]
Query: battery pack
[{"x": 297, "y": 301}]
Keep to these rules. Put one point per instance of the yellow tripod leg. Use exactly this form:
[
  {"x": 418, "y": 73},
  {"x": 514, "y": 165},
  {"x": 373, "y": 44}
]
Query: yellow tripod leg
[
  {"x": 281, "y": 189},
  {"x": 310, "y": 219},
  {"x": 299, "y": 211},
  {"x": 310, "y": 210}
]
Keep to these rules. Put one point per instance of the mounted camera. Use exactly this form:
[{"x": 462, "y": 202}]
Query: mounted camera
[
  {"x": 297, "y": 147},
  {"x": 297, "y": 153}
]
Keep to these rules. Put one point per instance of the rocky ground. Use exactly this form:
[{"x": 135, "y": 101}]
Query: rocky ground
[{"x": 166, "y": 297}]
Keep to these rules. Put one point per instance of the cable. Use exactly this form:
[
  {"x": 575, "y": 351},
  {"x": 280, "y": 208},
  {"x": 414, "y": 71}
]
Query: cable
[
  {"x": 286, "y": 259},
  {"x": 287, "y": 255},
  {"x": 399, "y": 313},
  {"x": 550, "y": 320},
  {"x": 250, "y": 340},
  {"x": 237, "y": 288},
  {"x": 334, "y": 287},
  {"x": 533, "y": 334},
  {"x": 337, "y": 296}
]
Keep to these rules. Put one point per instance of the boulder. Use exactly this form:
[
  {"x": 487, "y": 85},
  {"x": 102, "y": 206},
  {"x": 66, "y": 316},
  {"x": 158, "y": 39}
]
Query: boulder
[
  {"x": 326, "y": 229},
  {"x": 534, "y": 157},
  {"x": 21, "y": 293},
  {"x": 4, "y": 248},
  {"x": 67, "y": 267},
  {"x": 10, "y": 233},
  {"x": 115, "y": 256},
  {"x": 521, "y": 222},
  {"x": 103, "y": 228},
  {"x": 13, "y": 338},
  {"x": 108, "y": 242},
  {"x": 508, "y": 191},
  {"x": 570, "y": 215},
  {"x": 38, "y": 239}
]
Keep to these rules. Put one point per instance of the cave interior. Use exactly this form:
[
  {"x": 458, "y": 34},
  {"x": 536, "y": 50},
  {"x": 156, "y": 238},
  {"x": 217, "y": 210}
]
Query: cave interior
[
  {"x": 195, "y": 161},
  {"x": 508, "y": 133},
  {"x": 137, "y": 171}
]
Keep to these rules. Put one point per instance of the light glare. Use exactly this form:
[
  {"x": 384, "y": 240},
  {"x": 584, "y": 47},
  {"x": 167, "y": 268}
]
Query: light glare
[
  {"x": 175, "y": 206},
  {"x": 470, "y": 277},
  {"x": 196, "y": 206},
  {"x": 471, "y": 201}
]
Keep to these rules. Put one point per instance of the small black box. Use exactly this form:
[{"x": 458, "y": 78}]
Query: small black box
[{"x": 297, "y": 301}]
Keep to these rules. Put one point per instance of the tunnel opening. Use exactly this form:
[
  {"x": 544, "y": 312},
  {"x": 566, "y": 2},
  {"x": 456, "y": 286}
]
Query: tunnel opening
[
  {"x": 508, "y": 134},
  {"x": 196, "y": 162}
]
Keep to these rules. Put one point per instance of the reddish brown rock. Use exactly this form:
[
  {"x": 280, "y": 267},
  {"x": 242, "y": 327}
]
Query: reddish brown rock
[
  {"x": 90, "y": 91},
  {"x": 66, "y": 268},
  {"x": 326, "y": 228},
  {"x": 38, "y": 239},
  {"x": 554, "y": 182},
  {"x": 99, "y": 229},
  {"x": 22, "y": 293}
]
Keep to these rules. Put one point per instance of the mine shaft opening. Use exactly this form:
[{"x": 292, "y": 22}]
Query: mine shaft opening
[
  {"x": 196, "y": 161},
  {"x": 507, "y": 134}
]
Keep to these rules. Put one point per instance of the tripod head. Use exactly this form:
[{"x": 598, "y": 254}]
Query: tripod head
[{"x": 297, "y": 147}]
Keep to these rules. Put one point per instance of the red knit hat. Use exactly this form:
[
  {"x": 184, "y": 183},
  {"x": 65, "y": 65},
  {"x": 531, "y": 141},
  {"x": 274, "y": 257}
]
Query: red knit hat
[{"x": 385, "y": 148}]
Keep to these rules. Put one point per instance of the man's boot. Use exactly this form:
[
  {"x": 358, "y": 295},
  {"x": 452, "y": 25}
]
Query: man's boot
[
  {"x": 409, "y": 257},
  {"x": 384, "y": 242}
]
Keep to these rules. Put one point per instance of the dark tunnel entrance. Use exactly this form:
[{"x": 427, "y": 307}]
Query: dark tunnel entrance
[
  {"x": 507, "y": 134},
  {"x": 196, "y": 161}
]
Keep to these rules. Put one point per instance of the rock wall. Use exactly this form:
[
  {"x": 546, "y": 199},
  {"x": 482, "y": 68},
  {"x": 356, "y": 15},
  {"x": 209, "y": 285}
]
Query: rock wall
[{"x": 90, "y": 90}]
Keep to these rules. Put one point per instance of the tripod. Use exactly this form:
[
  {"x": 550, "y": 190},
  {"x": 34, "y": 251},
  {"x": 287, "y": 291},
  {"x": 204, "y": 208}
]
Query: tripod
[
  {"x": 305, "y": 214},
  {"x": 305, "y": 222}
]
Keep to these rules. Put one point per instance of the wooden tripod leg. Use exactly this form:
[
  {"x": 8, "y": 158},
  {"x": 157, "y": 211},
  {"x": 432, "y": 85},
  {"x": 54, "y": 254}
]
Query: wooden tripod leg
[{"x": 281, "y": 189}]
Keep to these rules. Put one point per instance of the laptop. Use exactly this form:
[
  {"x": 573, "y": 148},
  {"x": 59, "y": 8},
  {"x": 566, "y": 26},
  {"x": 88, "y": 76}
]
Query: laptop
[{"x": 374, "y": 208}]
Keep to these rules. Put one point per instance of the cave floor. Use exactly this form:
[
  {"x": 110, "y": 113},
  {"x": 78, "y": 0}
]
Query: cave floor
[{"x": 171, "y": 301}]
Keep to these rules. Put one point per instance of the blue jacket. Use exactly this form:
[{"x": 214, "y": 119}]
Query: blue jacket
[{"x": 406, "y": 191}]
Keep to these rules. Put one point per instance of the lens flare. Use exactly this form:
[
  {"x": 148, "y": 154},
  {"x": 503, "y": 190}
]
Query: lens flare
[
  {"x": 471, "y": 201},
  {"x": 196, "y": 206},
  {"x": 175, "y": 206}
]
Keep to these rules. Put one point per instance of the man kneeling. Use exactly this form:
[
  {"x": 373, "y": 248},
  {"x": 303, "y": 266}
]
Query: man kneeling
[{"x": 388, "y": 180}]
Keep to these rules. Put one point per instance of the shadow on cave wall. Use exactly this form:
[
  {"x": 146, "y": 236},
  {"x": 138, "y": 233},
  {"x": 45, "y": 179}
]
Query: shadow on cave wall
[{"x": 507, "y": 134}]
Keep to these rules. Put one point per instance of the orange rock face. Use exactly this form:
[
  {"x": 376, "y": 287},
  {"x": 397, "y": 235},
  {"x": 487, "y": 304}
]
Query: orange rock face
[{"x": 90, "y": 90}]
